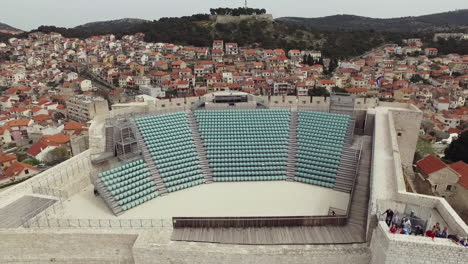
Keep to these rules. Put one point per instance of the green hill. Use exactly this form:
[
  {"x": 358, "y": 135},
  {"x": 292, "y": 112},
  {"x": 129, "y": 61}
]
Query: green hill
[{"x": 441, "y": 21}]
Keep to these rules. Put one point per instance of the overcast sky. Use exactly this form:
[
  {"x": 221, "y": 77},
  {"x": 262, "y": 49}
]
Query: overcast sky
[{"x": 29, "y": 14}]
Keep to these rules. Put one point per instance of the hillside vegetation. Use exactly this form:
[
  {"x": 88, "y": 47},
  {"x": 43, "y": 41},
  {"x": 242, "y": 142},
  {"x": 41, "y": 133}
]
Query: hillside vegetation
[
  {"x": 454, "y": 20},
  {"x": 4, "y": 28},
  {"x": 340, "y": 36},
  {"x": 110, "y": 26}
]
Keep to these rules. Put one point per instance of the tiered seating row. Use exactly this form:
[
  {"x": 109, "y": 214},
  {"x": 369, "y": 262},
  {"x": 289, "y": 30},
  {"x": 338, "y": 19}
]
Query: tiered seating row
[
  {"x": 170, "y": 142},
  {"x": 130, "y": 184},
  {"x": 245, "y": 145},
  {"x": 320, "y": 138}
]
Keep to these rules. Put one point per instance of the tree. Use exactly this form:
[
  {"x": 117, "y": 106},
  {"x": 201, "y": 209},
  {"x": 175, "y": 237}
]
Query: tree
[
  {"x": 427, "y": 125},
  {"x": 58, "y": 155},
  {"x": 21, "y": 156},
  {"x": 32, "y": 162},
  {"x": 310, "y": 60},
  {"x": 318, "y": 91},
  {"x": 337, "y": 89},
  {"x": 458, "y": 149},
  {"x": 439, "y": 135},
  {"x": 320, "y": 61},
  {"x": 333, "y": 64},
  {"x": 416, "y": 78},
  {"x": 423, "y": 148}
]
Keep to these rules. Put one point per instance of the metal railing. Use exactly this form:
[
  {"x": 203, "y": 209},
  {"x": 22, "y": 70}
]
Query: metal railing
[
  {"x": 261, "y": 221},
  {"x": 45, "y": 222},
  {"x": 351, "y": 196},
  {"x": 50, "y": 192}
]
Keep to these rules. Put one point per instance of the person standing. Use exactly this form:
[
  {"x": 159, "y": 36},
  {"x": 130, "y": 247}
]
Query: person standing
[
  {"x": 395, "y": 219},
  {"x": 389, "y": 217},
  {"x": 406, "y": 223}
]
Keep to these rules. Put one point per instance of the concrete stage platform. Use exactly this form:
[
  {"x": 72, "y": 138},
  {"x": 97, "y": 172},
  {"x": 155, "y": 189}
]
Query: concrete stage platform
[{"x": 276, "y": 198}]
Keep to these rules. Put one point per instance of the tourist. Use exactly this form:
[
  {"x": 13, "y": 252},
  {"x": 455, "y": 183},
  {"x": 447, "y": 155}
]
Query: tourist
[
  {"x": 389, "y": 217},
  {"x": 464, "y": 242},
  {"x": 418, "y": 231},
  {"x": 443, "y": 234},
  {"x": 432, "y": 233},
  {"x": 437, "y": 231},
  {"x": 407, "y": 229},
  {"x": 393, "y": 229},
  {"x": 395, "y": 219},
  {"x": 406, "y": 223}
]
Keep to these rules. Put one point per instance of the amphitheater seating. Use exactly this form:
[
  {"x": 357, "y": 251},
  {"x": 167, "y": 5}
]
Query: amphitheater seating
[
  {"x": 130, "y": 184},
  {"x": 320, "y": 139},
  {"x": 245, "y": 145},
  {"x": 170, "y": 142}
]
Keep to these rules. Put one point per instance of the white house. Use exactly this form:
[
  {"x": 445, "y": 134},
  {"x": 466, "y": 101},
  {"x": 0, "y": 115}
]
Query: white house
[{"x": 441, "y": 104}]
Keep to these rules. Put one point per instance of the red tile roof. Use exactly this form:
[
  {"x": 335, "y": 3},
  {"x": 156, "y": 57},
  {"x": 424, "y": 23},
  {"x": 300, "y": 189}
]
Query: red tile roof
[
  {"x": 462, "y": 169},
  {"x": 38, "y": 147},
  {"x": 42, "y": 117},
  {"x": 74, "y": 126},
  {"x": 4, "y": 157},
  {"x": 430, "y": 164},
  {"x": 15, "y": 123},
  {"x": 16, "y": 168},
  {"x": 454, "y": 131},
  {"x": 58, "y": 139}
]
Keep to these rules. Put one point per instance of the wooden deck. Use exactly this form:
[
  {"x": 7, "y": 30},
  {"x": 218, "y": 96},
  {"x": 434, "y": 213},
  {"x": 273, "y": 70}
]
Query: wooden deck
[
  {"x": 14, "y": 214},
  {"x": 353, "y": 232}
]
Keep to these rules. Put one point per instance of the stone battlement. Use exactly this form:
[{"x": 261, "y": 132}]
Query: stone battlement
[{"x": 226, "y": 19}]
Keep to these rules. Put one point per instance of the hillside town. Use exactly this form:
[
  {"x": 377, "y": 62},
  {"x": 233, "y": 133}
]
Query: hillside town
[{"x": 53, "y": 86}]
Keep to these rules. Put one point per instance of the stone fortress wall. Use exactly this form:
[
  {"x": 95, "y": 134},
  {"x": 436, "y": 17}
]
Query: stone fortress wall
[
  {"x": 85, "y": 245},
  {"x": 227, "y": 19}
]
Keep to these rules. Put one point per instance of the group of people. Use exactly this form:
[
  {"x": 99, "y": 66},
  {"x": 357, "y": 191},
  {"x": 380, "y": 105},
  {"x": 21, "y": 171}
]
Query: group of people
[{"x": 404, "y": 227}]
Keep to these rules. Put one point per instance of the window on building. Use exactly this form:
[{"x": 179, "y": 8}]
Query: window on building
[
  {"x": 435, "y": 187},
  {"x": 449, "y": 187},
  {"x": 26, "y": 171},
  {"x": 399, "y": 134}
]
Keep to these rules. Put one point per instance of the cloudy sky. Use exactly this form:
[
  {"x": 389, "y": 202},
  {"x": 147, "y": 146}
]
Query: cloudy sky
[{"x": 29, "y": 14}]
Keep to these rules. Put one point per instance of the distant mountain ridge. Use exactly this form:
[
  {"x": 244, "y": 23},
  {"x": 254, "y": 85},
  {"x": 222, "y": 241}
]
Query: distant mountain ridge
[
  {"x": 110, "y": 26},
  {"x": 7, "y": 29},
  {"x": 440, "y": 21}
]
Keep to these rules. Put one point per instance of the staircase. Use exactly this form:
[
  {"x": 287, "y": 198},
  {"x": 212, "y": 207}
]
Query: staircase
[
  {"x": 108, "y": 198},
  {"x": 200, "y": 147},
  {"x": 292, "y": 147},
  {"x": 155, "y": 176},
  {"x": 350, "y": 132},
  {"x": 360, "y": 199},
  {"x": 347, "y": 170},
  {"x": 109, "y": 139},
  {"x": 348, "y": 163}
]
